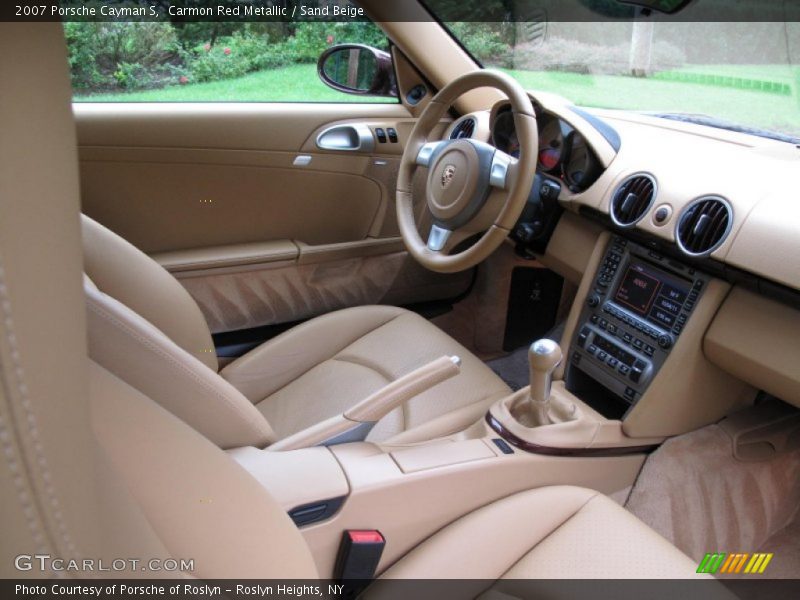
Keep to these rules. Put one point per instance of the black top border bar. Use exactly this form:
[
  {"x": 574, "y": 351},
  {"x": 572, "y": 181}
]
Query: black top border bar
[{"x": 492, "y": 11}]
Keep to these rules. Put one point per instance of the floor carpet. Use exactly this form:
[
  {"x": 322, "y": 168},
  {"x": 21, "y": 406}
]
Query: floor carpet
[{"x": 697, "y": 495}]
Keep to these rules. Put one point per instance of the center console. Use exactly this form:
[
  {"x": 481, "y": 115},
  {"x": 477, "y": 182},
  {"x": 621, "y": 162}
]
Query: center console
[
  {"x": 631, "y": 373},
  {"x": 638, "y": 306}
]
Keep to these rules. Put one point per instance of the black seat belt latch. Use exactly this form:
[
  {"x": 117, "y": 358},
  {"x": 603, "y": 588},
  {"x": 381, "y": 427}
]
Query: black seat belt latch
[{"x": 359, "y": 554}]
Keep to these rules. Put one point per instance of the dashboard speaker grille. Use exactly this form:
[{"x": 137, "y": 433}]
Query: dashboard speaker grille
[
  {"x": 463, "y": 129},
  {"x": 633, "y": 199},
  {"x": 704, "y": 225}
]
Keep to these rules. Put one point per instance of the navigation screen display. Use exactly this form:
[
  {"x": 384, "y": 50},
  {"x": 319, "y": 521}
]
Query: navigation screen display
[{"x": 651, "y": 293}]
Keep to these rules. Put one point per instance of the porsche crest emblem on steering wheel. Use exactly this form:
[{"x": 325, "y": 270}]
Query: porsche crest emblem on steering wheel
[{"x": 447, "y": 175}]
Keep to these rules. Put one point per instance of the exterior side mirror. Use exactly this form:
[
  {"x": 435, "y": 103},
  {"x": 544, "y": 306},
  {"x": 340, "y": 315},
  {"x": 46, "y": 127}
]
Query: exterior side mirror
[{"x": 357, "y": 69}]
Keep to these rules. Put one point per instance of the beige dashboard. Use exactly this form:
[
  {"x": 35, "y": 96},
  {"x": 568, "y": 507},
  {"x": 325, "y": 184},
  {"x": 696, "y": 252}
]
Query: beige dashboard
[
  {"x": 750, "y": 336},
  {"x": 756, "y": 177}
]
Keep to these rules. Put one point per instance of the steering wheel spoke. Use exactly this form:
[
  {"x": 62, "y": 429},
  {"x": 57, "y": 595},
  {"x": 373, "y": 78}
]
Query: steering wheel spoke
[
  {"x": 499, "y": 174},
  {"x": 427, "y": 152},
  {"x": 437, "y": 238},
  {"x": 471, "y": 189}
]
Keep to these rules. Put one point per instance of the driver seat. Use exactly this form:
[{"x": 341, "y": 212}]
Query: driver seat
[{"x": 146, "y": 329}]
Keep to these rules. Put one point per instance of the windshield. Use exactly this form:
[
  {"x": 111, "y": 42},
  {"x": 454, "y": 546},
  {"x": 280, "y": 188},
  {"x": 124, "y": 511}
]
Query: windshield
[{"x": 734, "y": 72}]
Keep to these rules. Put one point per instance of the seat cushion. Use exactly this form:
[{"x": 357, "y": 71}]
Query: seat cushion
[
  {"x": 320, "y": 368},
  {"x": 558, "y": 532}
]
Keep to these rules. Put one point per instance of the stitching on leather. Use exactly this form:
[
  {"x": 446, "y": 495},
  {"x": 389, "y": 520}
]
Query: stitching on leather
[
  {"x": 13, "y": 463},
  {"x": 40, "y": 462},
  {"x": 102, "y": 312}
]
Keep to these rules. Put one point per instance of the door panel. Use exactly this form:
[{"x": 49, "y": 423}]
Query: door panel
[
  {"x": 166, "y": 205},
  {"x": 215, "y": 192}
]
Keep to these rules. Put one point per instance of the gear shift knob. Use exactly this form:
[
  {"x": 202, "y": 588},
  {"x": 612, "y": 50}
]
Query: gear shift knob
[{"x": 543, "y": 356}]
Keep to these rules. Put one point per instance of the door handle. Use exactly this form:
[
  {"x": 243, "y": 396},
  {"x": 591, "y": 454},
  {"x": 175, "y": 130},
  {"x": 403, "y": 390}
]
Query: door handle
[{"x": 347, "y": 138}]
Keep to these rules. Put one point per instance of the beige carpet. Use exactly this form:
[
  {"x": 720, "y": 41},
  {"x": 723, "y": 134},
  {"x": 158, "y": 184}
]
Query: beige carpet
[
  {"x": 785, "y": 545},
  {"x": 696, "y": 494}
]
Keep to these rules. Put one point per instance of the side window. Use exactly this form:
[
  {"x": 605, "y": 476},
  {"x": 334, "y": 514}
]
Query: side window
[{"x": 168, "y": 61}]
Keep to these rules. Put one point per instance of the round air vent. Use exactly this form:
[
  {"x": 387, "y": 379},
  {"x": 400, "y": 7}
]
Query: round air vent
[
  {"x": 463, "y": 129},
  {"x": 704, "y": 225},
  {"x": 633, "y": 199}
]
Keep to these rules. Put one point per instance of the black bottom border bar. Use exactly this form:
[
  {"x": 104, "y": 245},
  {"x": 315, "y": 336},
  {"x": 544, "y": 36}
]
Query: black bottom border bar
[{"x": 754, "y": 588}]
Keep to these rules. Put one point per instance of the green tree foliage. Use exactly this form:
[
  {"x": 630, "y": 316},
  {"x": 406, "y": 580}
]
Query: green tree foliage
[{"x": 128, "y": 56}]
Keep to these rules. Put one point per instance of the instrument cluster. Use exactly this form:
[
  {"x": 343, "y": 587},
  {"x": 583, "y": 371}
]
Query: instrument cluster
[{"x": 563, "y": 151}]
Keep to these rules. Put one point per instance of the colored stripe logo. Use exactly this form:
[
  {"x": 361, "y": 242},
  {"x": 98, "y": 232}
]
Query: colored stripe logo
[{"x": 744, "y": 563}]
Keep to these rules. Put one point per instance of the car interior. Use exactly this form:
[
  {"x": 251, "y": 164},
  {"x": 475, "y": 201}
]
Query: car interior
[{"x": 518, "y": 338}]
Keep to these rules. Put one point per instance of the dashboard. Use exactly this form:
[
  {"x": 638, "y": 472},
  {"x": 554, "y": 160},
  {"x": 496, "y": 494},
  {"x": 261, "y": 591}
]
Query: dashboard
[
  {"x": 690, "y": 190},
  {"x": 701, "y": 262},
  {"x": 564, "y": 153}
]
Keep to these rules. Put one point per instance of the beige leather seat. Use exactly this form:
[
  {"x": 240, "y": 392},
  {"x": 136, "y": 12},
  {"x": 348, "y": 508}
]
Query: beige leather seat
[
  {"x": 93, "y": 468},
  {"x": 145, "y": 328}
]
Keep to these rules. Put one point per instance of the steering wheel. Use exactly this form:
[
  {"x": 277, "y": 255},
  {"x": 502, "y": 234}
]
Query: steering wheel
[{"x": 471, "y": 187}]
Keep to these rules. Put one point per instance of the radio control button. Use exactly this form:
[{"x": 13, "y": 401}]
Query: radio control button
[
  {"x": 627, "y": 337},
  {"x": 637, "y": 343},
  {"x": 665, "y": 341},
  {"x": 624, "y": 369},
  {"x": 591, "y": 349},
  {"x": 613, "y": 362},
  {"x": 649, "y": 350},
  {"x": 593, "y": 300},
  {"x": 602, "y": 355}
]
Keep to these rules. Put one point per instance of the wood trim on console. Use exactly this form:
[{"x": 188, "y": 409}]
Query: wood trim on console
[{"x": 551, "y": 451}]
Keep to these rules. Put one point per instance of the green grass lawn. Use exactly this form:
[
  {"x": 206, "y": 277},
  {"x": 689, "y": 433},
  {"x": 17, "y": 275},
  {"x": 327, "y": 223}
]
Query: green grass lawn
[
  {"x": 748, "y": 107},
  {"x": 297, "y": 83}
]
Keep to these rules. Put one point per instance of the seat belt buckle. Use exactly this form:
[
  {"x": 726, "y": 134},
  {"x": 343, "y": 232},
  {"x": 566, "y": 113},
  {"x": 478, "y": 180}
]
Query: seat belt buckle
[{"x": 359, "y": 555}]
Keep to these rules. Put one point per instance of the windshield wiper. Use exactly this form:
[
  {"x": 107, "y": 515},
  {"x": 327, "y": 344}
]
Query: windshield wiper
[{"x": 709, "y": 121}]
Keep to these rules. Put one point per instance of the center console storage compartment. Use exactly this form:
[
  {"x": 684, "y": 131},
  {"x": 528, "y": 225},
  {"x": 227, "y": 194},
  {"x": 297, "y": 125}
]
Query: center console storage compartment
[{"x": 431, "y": 456}]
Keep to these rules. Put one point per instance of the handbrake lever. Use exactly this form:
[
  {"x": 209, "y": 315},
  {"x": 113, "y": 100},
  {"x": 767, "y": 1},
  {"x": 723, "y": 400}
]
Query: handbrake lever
[{"x": 356, "y": 422}]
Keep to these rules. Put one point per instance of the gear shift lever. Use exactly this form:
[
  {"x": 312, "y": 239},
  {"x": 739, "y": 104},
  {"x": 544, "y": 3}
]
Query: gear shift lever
[{"x": 543, "y": 357}]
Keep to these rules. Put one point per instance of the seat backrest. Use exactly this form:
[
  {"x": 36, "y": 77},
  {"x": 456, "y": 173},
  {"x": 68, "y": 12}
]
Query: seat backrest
[
  {"x": 90, "y": 467},
  {"x": 145, "y": 328},
  {"x": 127, "y": 274}
]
